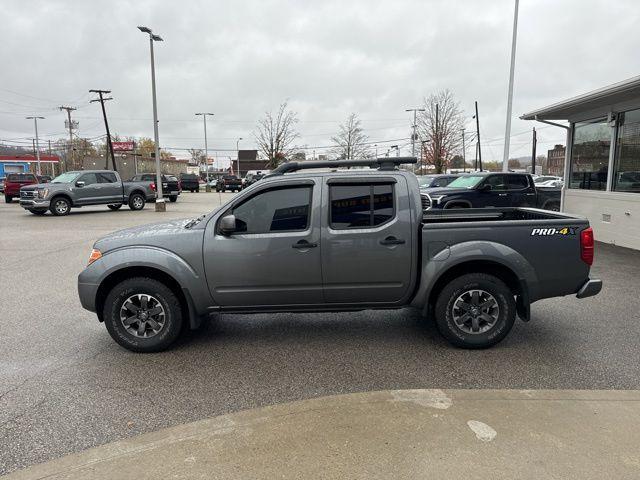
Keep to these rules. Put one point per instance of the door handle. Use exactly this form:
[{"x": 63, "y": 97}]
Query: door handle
[
  {"x": 304, "y": 244},
  {"x": 392, "y": 241}
]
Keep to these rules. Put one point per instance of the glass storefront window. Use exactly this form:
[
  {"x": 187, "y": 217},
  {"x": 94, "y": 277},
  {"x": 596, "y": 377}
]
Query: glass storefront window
[
  {"x": 626, "y": 176},
  {"x": 590, "y": 154}
]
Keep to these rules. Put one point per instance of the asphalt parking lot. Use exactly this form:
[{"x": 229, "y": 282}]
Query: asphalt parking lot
[{"x": 66, "y": 386}]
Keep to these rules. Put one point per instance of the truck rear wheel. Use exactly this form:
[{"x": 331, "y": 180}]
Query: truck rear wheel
[
  {"x": 173, "y": 198},
  {"x": 116, "y": 206},
  {"x": 136, "y": 201},
  {"x": 8, "y": 198},
  {"x": 142, "y": 315},
  {"x": 475, "y": 310}
]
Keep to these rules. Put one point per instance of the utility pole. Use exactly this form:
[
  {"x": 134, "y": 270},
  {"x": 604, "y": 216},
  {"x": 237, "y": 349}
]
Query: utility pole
[
  {"x": 238, "y": 155},
  {"x": 37, "y": 144},
  {"x": 478, "y": 135},
  {"x": 102, "y": 99},
  {"x": 70, "y": 124},
  {"x": 533, "y": 152},
  {"x": 160, "y": 204},
  {"x": 507, "y": 133},
  {"x": 206, "y": 149},
  {"x": 464, "y": 154},
  {"x": 436, "y": 147},
  {"x": 414, "y": 137}
]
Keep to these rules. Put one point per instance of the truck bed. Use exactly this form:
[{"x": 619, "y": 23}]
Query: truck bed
[{"x": 543, "y": 243}]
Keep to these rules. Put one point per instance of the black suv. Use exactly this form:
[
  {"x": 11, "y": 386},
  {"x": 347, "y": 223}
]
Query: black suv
[{"x": 487, "y": 189}]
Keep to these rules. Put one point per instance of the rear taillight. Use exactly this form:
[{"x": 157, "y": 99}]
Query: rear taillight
[
  {"x": 586, "y": 245},
  {"x": 153, "y": 186}
]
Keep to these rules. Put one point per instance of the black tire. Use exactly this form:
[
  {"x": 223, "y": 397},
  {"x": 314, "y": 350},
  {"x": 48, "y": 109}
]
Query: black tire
[
  {"x": 173, "y": 198},
  {"x": 114, "y": 305},
  {"x": 8, "y": 198},
  {"x": 446, "y": 309},
  {"x": 116, "y": 206},
  {"x": 37, "y": 212},
  {"x": 60, "y": 206},
  {"x": 553, "y": 206},
  {"x": 136, "y": 201}
]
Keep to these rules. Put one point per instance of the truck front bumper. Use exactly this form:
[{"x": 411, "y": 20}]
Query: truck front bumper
[
  {"x": 87, "y": 293},
  {"x": 590, "y": 288},
  {"x": 34, "y": 203}
]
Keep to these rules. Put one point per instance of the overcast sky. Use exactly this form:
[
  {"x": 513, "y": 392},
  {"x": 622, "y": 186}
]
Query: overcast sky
[{"x": 238, "y": 59}]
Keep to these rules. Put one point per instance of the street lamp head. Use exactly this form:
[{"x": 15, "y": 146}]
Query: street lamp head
[
  {"x": 156, "y": 38},
  {"x": 144, "y": 29}
]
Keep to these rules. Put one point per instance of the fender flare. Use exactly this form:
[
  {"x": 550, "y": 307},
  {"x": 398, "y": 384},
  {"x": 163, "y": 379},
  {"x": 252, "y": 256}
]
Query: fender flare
[
  {"x": 193, "y": 285},
  {"x": 475, "y": 251}
]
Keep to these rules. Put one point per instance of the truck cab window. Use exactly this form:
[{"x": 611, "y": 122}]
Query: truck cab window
[
  {"x": 497, "y": 182},
  {"x": 517, "y": 182},
  {"x": 106, "y": 177},
  {"x": 360, "y": 206},
  {"x": 276, "y": 210},
  {"x": 88, "y": 178}
]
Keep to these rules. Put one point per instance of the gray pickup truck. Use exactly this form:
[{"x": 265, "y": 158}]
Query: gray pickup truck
[
  {"x": 81, "y": 188},
  {"x": 337, "y": 241}
]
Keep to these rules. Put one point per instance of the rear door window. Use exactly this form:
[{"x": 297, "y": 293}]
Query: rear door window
[{"x": 360, "y": 206}]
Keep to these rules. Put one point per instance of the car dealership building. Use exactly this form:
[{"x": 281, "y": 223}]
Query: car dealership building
[{"x": 602, "y": 159}]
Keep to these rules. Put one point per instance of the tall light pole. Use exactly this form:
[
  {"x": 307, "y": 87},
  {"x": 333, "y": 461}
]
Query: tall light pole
[
  {"x": 414, "y": 137},
  {"x": 206, "y": 148},
  {"x": 507, "y": 133},
  {"x": 160, "y": 204},
  {"x": 35, "y": 123},
  {"x": 238, "y": 155}
]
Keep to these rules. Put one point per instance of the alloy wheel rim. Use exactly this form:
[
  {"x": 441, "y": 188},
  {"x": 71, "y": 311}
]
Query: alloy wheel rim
[
  {"x": 137, "y": 202},
  {"x": 61, "y": 206},
  {"x": 475, "y": 311},
  {"x": 142, "y": 315}
]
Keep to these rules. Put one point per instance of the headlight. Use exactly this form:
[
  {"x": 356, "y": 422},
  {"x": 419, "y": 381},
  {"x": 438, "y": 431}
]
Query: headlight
[
  {"x": 43, "y": 192},
  {"x": 95, "y": 255}
]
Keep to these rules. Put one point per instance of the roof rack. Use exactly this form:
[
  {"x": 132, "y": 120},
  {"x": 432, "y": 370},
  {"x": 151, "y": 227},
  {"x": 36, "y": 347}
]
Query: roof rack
[{"x": 382, "y": 163}]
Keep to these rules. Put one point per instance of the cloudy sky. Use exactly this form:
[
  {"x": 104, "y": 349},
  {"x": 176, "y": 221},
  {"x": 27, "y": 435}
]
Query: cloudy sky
[{"x": 238, "y": 59}]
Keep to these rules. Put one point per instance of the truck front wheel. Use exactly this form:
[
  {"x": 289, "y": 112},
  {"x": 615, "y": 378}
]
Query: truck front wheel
[
  {"x": 476, "y": 310},
  {"x": 60, "y": 206},
  {"x": 115, "y": 206},
  {"x": 142, "y": 315}
]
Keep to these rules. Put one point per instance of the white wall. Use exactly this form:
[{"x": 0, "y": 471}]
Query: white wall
[{"x": 624, "y": 209}]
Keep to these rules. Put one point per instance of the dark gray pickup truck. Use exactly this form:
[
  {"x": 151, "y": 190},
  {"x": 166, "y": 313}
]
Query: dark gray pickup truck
[
  {"x": 337, "y": 241},
  {"x": 83, "y": 188}
]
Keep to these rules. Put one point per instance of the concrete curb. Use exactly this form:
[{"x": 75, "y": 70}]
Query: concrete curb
[{"x": 390, "y": 434}]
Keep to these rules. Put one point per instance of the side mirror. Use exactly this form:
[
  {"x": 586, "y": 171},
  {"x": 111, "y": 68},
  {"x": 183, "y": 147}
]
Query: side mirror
[
  {"x": 79, "y": 183},
  {"x": 485, "y": 188},
  {"x": 228, "y": 224}
]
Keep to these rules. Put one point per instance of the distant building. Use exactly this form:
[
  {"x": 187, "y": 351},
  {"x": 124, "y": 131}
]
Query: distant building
[
  {"x": 602, "y": 167},
  {"x": 249, "y": 161},
  {"x": 299, "y": 157},
  {"x": 555, "y": 160},
  {"x": 49, "y": 164}
]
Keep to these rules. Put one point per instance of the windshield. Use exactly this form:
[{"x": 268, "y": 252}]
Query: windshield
[
  {"x": 67, "y": 177},
  {"x": 425, "y": 180},
  {"x": 468, "y": 181}
]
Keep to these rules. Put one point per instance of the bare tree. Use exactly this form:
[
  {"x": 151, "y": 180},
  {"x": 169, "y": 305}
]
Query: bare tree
[
  {"x": 197, "y": 156},
  {"x": 441, "y": 140},
  {"x": 275, "y": 135},
  {"x": 351, "y": 142}
]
